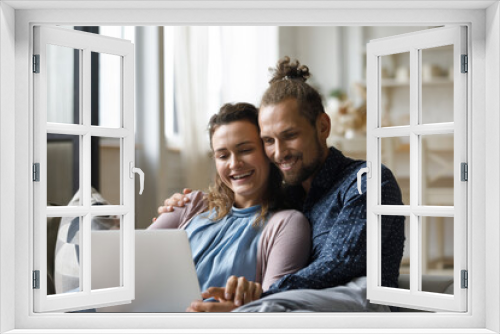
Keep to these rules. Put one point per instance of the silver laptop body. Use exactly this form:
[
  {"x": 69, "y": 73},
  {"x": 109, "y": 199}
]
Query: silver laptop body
[{"x": 165, "y": 276}]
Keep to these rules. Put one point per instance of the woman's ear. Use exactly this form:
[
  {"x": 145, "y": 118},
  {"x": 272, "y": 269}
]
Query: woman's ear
[{"x": 323, "y": 124}]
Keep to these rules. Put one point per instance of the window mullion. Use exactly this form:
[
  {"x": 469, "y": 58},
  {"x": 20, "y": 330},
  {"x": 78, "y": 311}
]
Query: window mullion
[
  {"x": 415, "y": 173},
  {"x": 85, "y": 242}
]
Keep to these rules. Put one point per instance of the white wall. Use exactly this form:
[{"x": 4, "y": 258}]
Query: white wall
[
  {"x": 7, "y": 166},
  {"x": 491, "y": 166},
  {"x": 320, "y": 49}
]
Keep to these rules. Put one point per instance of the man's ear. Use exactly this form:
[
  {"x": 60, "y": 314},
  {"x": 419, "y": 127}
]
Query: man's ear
[{"x": 323, "y": 124}]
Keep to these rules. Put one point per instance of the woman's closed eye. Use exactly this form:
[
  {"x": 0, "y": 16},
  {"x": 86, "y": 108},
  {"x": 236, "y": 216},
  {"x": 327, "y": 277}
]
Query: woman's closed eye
[
  {"x": 220, "y": 156},
  {"x": 246, "y": 150}
]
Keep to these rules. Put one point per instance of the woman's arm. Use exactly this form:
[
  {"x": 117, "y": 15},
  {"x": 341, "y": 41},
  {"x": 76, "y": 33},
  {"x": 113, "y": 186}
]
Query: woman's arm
[{"x": 284, "y": 247}]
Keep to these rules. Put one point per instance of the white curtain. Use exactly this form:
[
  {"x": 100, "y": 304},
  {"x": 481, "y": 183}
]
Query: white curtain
[
  {"x": 192, "y": 99},
  {"x": 213, "y": 66},
  {"x": 248, "y": 53}
]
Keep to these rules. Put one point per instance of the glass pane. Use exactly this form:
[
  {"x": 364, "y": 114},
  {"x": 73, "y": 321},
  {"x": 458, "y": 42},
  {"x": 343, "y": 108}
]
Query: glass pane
[
  {"x": 106, "y": 248},
  {"x": 390, "y": 224},
  {"x": 63, "y": 84},
  {"x": 437, "y": 253},
  {"x": 437, "y": 84},
  {"x": 395, "y": 89},
  {"x": 106, "y": 91},
  {"x": 106, "y": 168},
  {"x": 395, "y": 155},
  {"x": 63, "y": 254},
  {"x": 437, "y": 169},
  {"x": 63, "y": 169}
]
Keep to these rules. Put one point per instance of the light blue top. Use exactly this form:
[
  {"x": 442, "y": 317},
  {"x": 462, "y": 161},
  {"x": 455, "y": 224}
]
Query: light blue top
[{"x": 224, "y": 247}]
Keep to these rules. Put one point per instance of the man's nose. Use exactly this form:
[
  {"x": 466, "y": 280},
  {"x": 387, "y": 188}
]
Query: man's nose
[{"x": 280, "y": 151}]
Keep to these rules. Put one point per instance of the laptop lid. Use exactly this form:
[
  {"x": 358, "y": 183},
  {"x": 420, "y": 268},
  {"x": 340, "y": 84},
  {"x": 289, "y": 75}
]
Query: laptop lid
[{"x": 165, "y": 276}]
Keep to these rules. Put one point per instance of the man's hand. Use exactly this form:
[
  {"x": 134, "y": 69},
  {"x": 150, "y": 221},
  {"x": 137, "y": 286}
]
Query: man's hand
[{"x": 176, "y": 200}]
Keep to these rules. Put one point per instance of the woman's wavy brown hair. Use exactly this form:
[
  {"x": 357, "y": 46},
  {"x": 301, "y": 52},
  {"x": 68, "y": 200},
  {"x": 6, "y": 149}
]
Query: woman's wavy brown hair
[
  {"x": 220, "y": 197},
  {"x": 289, "y": 81}
]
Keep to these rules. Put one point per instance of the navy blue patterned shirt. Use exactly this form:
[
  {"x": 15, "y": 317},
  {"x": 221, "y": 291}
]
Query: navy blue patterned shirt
[{"x": 337, "y": 213}]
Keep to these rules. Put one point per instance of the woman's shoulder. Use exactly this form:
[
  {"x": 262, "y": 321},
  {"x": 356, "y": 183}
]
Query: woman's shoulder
[
  {"x": 287, "y": 213},
  {"x": 288, "y": 216},
  {"x": 291, "y": 224}
]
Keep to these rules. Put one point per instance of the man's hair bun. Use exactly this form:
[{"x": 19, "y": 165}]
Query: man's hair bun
[{"x": 287, "y": 70}]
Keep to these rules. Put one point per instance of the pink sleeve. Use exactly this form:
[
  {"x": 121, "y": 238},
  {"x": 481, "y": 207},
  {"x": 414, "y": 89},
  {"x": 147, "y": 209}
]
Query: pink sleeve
[
  {"x": 284, "y": 246},
  {"x": 181, "y": 216}
]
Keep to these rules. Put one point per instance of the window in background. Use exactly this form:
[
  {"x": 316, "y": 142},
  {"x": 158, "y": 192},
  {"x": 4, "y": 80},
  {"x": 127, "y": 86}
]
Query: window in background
[{"x": 232, "y": 66}]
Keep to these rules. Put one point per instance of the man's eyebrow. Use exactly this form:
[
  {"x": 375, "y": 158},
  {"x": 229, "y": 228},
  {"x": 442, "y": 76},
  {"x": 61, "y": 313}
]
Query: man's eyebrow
[
  {"x": 290, "y": 129},
  {"x": 287, "y": 131}
]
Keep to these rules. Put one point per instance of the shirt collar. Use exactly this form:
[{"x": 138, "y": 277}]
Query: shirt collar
[
  {"x": 324, "y": 179},
  {"x": 332, "y": 167}
]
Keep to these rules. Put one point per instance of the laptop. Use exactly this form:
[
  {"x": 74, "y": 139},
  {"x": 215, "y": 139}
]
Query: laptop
[{"x": 165, "y": 276}]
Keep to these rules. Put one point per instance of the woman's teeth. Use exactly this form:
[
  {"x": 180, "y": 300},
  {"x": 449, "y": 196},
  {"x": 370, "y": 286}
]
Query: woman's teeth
[{"x": 237, "y": 177}]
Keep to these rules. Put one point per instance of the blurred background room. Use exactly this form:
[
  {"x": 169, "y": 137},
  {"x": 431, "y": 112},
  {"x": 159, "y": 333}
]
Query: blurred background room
[{"x": 184, "y": 74}]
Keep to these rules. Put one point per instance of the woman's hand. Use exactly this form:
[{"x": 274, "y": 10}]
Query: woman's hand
[
  {"x": 237, "y": 292},
  {"x": 221, "y": 306},
  {"x": 237, "y": 289},
  {"x": 241, "y": 291}
]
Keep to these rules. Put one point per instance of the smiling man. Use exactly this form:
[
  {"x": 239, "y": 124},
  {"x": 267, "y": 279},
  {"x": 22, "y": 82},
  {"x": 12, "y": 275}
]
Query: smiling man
[{"x": 322, "y": 183}]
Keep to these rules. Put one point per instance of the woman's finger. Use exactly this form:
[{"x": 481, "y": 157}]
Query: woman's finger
[
  {"x": 258, "y": 291},
  {"x": 231, "y": 284},
  {"x": 249, "y": 293},
  {"x": 240, "y": 291}
]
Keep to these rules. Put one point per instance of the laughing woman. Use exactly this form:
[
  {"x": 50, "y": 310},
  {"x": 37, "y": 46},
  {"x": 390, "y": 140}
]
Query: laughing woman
[{"x": 242, "y": 237}]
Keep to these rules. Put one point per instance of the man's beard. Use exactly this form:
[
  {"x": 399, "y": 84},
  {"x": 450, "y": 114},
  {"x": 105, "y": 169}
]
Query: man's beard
[{"x": 305, "y": 172}]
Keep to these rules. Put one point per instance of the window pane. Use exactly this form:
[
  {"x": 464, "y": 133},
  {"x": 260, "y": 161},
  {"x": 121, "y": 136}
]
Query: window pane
[
  {"x": 108, "y": 168},
  {"x": 387, "y": 250},
  {"x": 395, "y": 89},
  {"x": 63, "y": 169},
  {"x": 437, "y": 170},
  {"x": 66, "y": 261},
  {"x": 63, "y": 84},
  {"x": 395, "y": 155},
  {"x": 437, "y": 84},
  {"x": 437, "y": 253},
  {"x": 106, "y": 100},
  {"x": 106, "y": 247}
]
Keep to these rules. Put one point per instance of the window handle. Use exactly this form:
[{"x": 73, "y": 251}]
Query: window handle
[
  {"x": 363, "y": 170},
  {"x": 137, "y": 171}
]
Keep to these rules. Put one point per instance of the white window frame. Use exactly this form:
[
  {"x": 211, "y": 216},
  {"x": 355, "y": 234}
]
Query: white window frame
[
  {"x": 413, "y": 44},
  {"x": 482, "y": 124},
  {"x": 86, "y": 43}
]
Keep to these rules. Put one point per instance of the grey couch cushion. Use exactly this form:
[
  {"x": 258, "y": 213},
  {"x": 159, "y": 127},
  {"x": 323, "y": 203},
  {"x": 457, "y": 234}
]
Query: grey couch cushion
[{"x": 431, "y": 283}]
